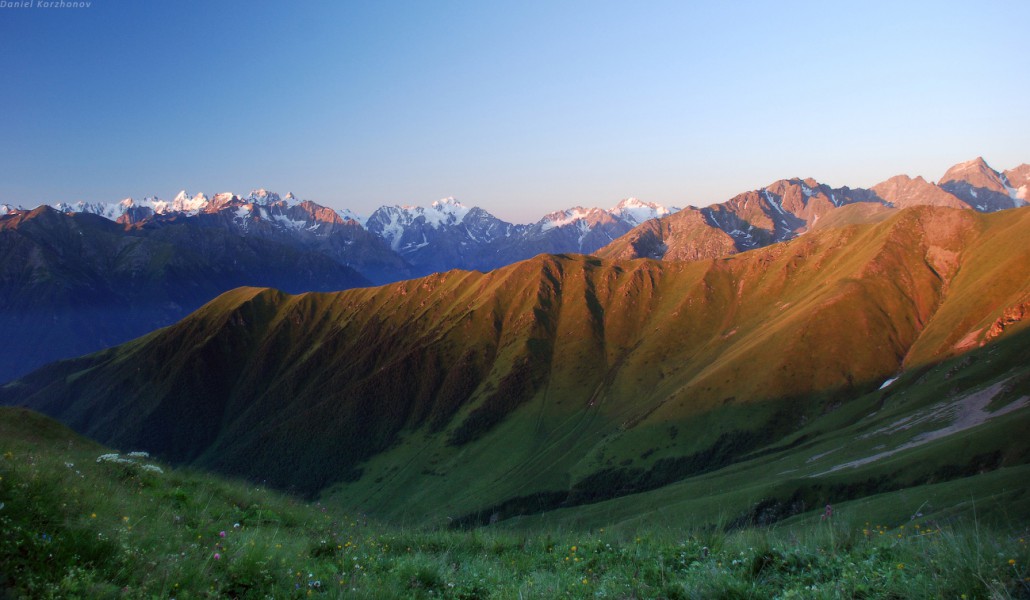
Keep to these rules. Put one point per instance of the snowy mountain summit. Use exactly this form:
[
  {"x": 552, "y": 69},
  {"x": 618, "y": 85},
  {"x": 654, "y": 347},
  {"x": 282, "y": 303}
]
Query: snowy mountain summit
[{"x": 635, "y": 212}]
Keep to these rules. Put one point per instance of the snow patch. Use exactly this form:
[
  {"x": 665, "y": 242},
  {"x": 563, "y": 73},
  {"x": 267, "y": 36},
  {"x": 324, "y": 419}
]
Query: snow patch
[
  {"x": 769, "y": 199},
  {"x": 1018, "y": 196}
]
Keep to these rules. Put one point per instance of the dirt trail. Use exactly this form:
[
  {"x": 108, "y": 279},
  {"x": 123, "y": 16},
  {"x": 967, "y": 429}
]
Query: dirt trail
[{"x": 964, "y": 413}]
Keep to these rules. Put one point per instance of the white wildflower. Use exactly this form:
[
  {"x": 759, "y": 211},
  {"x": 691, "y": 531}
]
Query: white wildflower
[
  {"x": 153, "y": 468},
  {"x": 107, "y": 457},
  {"x": 139, "y": 454}
]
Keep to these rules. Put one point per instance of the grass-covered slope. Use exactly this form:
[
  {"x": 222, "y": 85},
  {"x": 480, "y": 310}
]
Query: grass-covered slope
[
  {"x": 562, "y": 380},
  {"x": 79, "y": 521}
]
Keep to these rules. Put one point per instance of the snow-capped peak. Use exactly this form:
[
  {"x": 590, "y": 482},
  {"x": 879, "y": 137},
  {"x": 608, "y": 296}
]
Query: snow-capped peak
[
  {"x": 222, "y": 199},
  {"x": 348, "y": 215},
  {"x": 446, "y": 211},
  {"x": 183, "y": 202},
  {"x": 263, "y": 196},
  {"x": 562, "y": 218},
  {"x": 635, "y": 211}
]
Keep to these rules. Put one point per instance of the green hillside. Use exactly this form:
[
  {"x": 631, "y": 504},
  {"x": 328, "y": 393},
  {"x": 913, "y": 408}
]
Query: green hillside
[
  {"x": 79, "y": 521},
  {"x": 574, "y": 383}
]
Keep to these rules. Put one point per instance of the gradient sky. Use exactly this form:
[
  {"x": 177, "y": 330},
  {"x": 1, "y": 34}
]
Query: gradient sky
[{"x": 521, "y": 107}]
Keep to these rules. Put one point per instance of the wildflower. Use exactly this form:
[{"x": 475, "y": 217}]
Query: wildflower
[
  {"x": 901, "y": 565},
  {"x": 828, "y": 513},
  {"x": 139, "y": 454},
  {"x": 1012, "y": 562},
  {"x": 93, "y": 516},
  {"x": 153, "y": 468},
  {"x": 235, "y": 525},
  {"x": 218, "y": 556},
  {"x": 221, "y": 534}
]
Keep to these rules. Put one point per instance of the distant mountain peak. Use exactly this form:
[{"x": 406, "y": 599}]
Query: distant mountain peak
[
  {"x": 980, "y": 186},
  {"x": 186, "y": 203},
  {"x": 635, "y": 211},
  {"x": 450, "y": 211},
  {"x": 263, "y": 196},
  {"x": 964, "y": 171}
]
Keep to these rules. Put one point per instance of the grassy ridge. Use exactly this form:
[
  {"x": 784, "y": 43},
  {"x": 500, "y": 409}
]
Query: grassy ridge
[
  {"x": 454, "y": 394},
  {"x": 75, "y": 526}
]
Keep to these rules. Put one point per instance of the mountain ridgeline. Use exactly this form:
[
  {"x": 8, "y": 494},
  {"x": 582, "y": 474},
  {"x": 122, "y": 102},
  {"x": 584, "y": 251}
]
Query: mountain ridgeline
[
  {"x": 267, "y": 240},
  {"x": 558, "y": 381}
]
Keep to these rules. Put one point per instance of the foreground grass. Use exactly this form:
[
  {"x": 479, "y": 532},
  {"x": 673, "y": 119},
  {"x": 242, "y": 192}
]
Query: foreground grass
[{"x": 126, "y": 527}]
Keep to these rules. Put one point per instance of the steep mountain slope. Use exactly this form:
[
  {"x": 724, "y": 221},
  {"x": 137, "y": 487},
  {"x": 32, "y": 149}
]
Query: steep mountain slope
[
  {"x": 76, "y": 283},
  {"x": 558, "y": 380},
  {"x": 981, "y": 187}
]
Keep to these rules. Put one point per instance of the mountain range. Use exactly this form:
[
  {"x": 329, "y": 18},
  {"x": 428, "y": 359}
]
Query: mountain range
[
  {"x": 409, "y": 241},
  {"x": 75, "y": 283},
  {"x": 264, "y": 239},
  {"x": 566, "y": 381}
]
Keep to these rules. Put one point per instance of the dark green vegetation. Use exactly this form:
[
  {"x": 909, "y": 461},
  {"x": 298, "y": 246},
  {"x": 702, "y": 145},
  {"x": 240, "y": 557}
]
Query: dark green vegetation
[
  {"x": 73, "y": 526},
  {"x": 598, "y": 392},
  {"x": 77, "y": 283}
]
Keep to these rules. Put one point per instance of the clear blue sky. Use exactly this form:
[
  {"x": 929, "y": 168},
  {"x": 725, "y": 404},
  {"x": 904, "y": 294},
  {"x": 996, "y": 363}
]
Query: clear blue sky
[{"x": 520, "y": 107}]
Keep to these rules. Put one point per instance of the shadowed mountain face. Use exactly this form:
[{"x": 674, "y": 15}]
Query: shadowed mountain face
[
  {"x": 71, "y": 284},
  {"x": 461, "y": 391}
]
